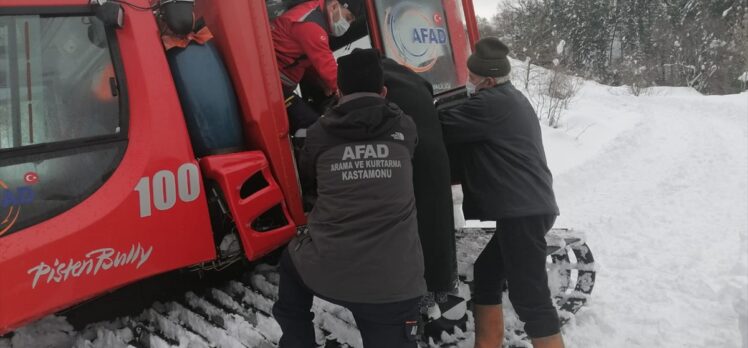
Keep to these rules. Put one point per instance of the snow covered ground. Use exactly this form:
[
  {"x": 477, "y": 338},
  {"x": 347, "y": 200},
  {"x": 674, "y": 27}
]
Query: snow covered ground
[{"x": 660, "y": 184}]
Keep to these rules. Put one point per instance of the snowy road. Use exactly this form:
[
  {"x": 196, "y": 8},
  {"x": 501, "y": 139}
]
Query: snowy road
[
  {"x": 660, "y": 185},
  {"x": 665, "y": 206}
]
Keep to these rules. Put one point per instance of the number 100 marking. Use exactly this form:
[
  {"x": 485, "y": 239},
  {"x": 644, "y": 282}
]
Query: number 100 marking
[{"x": 166, "y": 189}]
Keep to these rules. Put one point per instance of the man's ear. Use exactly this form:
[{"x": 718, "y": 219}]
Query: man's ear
[{"x": 383, "y": 93}]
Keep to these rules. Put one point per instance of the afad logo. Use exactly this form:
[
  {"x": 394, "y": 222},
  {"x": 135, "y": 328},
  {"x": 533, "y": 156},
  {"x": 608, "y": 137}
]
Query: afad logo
[
  {"x": 431, "y": 35},
  {"x": 12, "y": 201},
  {"x": 415, "y": 35}
]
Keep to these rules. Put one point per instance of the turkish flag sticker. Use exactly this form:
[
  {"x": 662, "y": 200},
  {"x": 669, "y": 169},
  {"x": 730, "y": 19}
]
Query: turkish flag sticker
[
  {"x": 438, "y": 19},
  {"x": 31, "y": 178}
]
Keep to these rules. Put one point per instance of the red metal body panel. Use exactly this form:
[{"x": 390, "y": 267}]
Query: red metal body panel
[
  {"x": 109, "y": 220},
  {"x": 458, "y": 38},
  {"x": 242, "y": 34},
  {"x": 472, "y": 22},
  {"x": 374, "y": 32},
  {"x": 42, "y": 3},
  {"x": 230, "y": 172}
]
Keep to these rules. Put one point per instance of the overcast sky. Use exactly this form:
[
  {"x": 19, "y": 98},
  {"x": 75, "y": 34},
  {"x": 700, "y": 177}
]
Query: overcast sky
[{"x": 485, "y": 8}]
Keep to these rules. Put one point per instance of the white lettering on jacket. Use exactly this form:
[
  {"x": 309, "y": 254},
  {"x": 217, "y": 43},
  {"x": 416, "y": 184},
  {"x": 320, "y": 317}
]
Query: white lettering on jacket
[
  {"x": 92, "y": 263},
  {"x": 366, "y": 152}
]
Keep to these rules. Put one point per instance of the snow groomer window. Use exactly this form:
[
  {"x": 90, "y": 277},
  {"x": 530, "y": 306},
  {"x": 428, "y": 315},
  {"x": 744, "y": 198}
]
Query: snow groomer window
[
  {"x": 56, "y": 83},
  {"x": 420, "y": 34},
  {"x": 62, "y": 124}
]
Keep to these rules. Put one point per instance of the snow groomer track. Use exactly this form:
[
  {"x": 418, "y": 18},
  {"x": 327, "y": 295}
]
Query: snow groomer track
[{"x": 237, "y": 313}]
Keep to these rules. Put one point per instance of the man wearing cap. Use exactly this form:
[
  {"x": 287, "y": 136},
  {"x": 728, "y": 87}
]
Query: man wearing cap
[
  {"x": 505, "y": 179},
  {"x": 362, "y": 249},
  {"x": 301, "y": 40}
]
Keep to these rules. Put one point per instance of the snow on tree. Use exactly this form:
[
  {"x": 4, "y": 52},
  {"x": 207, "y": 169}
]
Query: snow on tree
[{"x": 698, "y": 43}]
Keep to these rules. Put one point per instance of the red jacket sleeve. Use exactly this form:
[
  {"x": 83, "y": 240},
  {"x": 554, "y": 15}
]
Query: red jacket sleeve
[{"x": 316, "y": 44}]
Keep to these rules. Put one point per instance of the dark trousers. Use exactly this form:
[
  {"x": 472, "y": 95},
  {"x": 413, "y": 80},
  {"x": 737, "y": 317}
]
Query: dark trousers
[
  {"x": 300, "y": 114},
  {"x": 516, "y": 256},
  {"x": 382, "y": 325}
]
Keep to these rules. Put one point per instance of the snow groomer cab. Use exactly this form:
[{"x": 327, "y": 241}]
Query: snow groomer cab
[{"x": 123, "y": 157}]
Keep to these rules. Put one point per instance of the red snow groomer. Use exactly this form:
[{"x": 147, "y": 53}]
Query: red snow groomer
[{"x": 127, "y": 150}]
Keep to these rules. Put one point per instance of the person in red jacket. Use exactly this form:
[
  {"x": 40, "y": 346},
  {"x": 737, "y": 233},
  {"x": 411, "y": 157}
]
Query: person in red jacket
[{"x": 301, "y": 39}]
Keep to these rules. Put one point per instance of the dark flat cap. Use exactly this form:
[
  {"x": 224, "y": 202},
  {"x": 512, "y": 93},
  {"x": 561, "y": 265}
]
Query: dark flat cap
[{"x": 490, "y": 58}]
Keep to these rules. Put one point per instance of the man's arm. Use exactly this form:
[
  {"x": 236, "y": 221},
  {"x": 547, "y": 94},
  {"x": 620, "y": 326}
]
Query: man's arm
[
  {"x": 469, "y": 122},
  {"x": 316, "y": 45}
]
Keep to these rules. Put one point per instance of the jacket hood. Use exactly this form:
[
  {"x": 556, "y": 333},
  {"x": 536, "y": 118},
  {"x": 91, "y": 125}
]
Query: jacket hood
[{"x": 361, "y": 117}]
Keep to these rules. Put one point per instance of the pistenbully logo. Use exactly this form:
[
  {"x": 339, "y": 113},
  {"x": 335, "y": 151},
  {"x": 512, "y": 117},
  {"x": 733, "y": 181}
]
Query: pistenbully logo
[{"x": 91, "y": 264}]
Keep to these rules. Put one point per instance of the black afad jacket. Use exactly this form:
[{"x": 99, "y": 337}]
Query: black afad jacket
[{"x": 363, "y": 243}]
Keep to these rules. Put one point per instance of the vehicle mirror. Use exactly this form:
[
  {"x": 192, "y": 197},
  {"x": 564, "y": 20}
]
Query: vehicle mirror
[
  {"x": 111, "y": 14},
  {"x": 97, "y": 33}
]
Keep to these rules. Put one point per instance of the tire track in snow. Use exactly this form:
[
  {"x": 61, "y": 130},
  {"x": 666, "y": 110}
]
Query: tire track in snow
[{"x": 665, "y": 213}]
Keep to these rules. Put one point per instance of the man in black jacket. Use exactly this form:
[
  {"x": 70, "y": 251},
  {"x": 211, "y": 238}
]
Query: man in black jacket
[
  {"x": 362, "y": 249},
  {"x": 505, "y": 179},
  {"x": 431, "y": 180}
]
